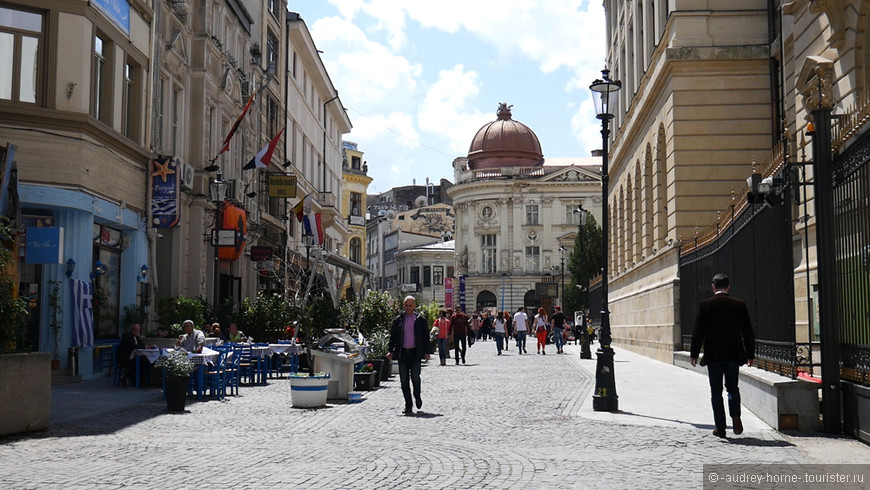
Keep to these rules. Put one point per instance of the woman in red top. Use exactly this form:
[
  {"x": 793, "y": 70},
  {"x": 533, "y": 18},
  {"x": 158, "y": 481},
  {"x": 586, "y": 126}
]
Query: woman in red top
[
  {"x": 443, "y": 325},
  {"x": 541, "y": 330}
]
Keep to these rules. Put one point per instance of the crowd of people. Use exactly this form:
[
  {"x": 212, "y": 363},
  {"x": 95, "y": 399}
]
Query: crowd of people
[
  {"x": 455, "y": 331},
  {"x": 412, "y": 341}
]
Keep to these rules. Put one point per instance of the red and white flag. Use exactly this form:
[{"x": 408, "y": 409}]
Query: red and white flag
[{"x": 264, "y": 157}]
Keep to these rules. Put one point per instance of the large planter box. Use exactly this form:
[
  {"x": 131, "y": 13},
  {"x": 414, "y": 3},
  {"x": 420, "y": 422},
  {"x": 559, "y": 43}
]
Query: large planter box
[
  {"x": 25, "y": 388},
  {"x": 364, "y": 381},
  {"x": 308, "y": 391}
]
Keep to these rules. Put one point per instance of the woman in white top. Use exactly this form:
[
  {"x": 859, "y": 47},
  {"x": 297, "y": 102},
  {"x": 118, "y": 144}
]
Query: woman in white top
[
  {"x": 499, "y": 331},
  {"x": 541, "y": 330}
]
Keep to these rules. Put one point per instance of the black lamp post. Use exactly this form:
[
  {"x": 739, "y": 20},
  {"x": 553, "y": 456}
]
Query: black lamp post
[
  {"x": 217, "y": 190},
  {"x": 562, "y": 259},
  {"x": 604, "y": 399},
  {"x": 585, "y": 353}
]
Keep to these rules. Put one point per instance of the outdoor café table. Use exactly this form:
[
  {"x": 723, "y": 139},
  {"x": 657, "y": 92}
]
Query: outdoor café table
[
  {"x": 291, "y": 350},
  {"x": 150, "y": 354},
  {"x": 264, "y": 354}
]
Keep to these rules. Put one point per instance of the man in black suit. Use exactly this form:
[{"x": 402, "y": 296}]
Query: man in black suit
[
  {"x": 409, "y": 343},
  {"x": 724, "y": 329}
]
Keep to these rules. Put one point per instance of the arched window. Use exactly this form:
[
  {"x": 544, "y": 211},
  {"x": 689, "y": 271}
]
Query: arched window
[{"x": 531, "y": 302}]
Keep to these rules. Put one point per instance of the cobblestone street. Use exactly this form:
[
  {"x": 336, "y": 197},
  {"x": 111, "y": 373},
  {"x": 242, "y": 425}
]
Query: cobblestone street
[{"x": 505, "y": 421}]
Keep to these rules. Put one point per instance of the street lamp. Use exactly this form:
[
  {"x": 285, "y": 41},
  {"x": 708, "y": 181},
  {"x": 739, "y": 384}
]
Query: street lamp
[
  {"x": 604, "y": 399},
  {"x": 217, "y": 190},
  {"x": 503, "y": 278},
  {"x": 562, "y": 259}
]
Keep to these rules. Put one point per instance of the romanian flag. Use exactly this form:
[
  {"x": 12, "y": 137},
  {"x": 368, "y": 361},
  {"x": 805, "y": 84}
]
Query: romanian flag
[
  {"x": 313, "y": 226},
  {"x": 264, "y": 157},
  {"x": 299, "y": 209}
]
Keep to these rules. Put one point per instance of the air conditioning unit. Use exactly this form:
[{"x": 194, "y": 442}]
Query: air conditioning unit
[
  {"x": 187, "y": 174},
  {"x": 253, "y": 210},
  {"x": 234, "y": 190}
]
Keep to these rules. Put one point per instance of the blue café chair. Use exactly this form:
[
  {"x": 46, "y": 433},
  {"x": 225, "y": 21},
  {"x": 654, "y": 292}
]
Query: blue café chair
[
  {"x": 231, "y": 372},
  {"x": 247, "y": 367},
  {"x": 215, "y": 374}
]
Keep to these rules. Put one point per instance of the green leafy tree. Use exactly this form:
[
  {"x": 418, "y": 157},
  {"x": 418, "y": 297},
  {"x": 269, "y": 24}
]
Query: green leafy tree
[
  {"x": 431, "y": 311},
  {"x": 180, "y": 308},
  {"x": 584, "y": 264},
  {"x": 265, "y": 318},
  {"x": 13, "y": 310},
  {"x": 369, "y": 315}
]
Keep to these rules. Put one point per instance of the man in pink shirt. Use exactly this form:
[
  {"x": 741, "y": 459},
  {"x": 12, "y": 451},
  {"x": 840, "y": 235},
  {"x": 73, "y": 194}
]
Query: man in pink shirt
[{"x": 409, "y": 343}]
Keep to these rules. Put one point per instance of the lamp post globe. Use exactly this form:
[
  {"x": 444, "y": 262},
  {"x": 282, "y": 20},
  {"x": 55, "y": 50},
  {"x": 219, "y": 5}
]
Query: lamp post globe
[{"x": 604, "y": 398}]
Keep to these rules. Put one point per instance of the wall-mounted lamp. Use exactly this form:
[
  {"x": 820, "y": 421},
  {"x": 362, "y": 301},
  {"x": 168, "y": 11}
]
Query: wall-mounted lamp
[
  {"x": 99, "y": 269},
  {"x": 70, "y": 267},
  {"x": 143, "y": 273}
]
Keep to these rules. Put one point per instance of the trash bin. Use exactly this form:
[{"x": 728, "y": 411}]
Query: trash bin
[{"x": 73, "y": 360}]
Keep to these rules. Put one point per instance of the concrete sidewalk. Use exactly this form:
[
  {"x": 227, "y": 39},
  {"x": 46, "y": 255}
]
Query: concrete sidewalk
[
  {"x": 653, "y": 393},
  {"x": 658, "y": 394}
]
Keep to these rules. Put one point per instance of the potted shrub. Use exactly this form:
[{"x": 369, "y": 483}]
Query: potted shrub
[
  {"x": 176, "y": 372},
  {"x": 377, "y": 349},
  {"x": 364, "y": 379}
]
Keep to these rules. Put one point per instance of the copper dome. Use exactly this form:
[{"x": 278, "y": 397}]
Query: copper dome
[{"x": 504, "y": 143}]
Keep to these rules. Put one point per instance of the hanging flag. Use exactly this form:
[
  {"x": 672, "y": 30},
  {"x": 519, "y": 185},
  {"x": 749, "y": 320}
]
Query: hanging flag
[
  {"x": 313, "y": 226},
  {"x": 264, "y": 157},
  {"x": 226, "y": 146},
  {"x": 299, "y": 209},
  {"x": 83, "y": 313}
]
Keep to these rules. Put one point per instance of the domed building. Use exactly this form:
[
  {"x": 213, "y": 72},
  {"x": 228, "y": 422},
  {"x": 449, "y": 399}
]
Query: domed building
[{"x": 514, "y": 211}]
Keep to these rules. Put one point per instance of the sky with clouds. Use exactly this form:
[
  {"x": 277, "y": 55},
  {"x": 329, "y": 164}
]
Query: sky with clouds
[{"x": 419, "y": 78}]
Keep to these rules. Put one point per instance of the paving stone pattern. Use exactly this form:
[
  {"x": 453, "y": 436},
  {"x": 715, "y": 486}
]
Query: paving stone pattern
[{"x": 498, "y": 422}]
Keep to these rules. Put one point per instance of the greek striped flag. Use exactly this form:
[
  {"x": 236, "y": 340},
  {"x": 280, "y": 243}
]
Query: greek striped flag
[{"x": 83, "y": 313}]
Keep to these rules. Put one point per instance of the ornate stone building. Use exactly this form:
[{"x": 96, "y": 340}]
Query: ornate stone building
[{"x": 514, "y": 211}]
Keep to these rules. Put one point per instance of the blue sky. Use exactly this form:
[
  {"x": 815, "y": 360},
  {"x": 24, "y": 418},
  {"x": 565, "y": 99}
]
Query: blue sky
[{"x": 419, "y": 78}]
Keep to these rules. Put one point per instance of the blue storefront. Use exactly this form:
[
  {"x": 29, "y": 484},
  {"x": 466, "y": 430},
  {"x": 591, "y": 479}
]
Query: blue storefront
[{"x": 92, "y": 244}]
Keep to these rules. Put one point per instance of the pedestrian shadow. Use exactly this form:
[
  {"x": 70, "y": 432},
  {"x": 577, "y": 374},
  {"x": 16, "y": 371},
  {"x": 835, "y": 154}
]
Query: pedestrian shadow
[
  {"x": 425, "y": 415},
  {"x": 678, "y": 421},
  {"x": 756, "y": 442}
]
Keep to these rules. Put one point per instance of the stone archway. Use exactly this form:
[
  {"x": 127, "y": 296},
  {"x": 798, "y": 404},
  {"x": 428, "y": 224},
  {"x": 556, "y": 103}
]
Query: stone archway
[{"x": 486, "y": 300}]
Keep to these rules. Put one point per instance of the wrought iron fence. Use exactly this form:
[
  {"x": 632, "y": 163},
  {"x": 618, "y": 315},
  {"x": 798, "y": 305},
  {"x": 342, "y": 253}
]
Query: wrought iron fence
[
  {"x": 852, "y": 228},
  {"x": 754, "y": 249}
]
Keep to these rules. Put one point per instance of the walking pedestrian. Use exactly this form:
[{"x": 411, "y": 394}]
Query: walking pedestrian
[
  {"x": 443, "y": 326},
  {"x": 499, "y": 331},
  {"x": 460, "y": 328},
  {"x": 508, "y": 327},
  {"x": 521, "y": 327},
  {"x": 409, "y": 342},
  {"x": 723, "y": 328},
  {"x": 485, "y": 326},
  {"x": 541, "y": 327},
  {"x": 579, "y": 328},
  {"x": 558, "y": 329}
]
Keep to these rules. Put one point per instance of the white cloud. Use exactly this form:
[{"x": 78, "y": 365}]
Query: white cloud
[
  {"x": 441, "y": 112},
  {"x": 392, "y": 82}
]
